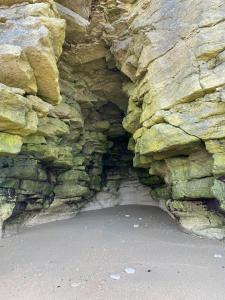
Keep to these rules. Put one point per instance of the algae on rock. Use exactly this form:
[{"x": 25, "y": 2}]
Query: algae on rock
[{"x": 153, "y": 70}]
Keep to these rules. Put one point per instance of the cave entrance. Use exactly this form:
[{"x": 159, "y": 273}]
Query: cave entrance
[{"x": 121, "y": 182}]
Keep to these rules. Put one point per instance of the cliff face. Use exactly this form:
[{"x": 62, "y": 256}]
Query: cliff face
[
  {"x": 173, "y": 53},
  {"x": 152, "y": 69}
]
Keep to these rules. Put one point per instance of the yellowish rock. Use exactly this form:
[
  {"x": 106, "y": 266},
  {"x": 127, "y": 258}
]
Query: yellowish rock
[
  {"x": 215, "y": 146},
  {"x": 165, "y": 138},
  {"x": 15, "y": 70},
  {"x": 142, "y": 161},
  {"x": 46, "y": 35},
  {"x": 51, "y": 127},
  {"x": 16, "y": 115},
  {"x": 76, "y": 25},
  {"x": 194, "y": 189},
  {"x": 197, "y": 165},
  {"x": 10, "y": 144},
  {"x": 219, "y": 164}
]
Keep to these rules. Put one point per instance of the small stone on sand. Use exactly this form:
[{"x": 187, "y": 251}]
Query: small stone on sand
[
  {"x": 75, "y": 284},
  {"x": 115, "y": 276},
  {"x": 136, "y": 225},
  {"x": 130, "y": 270},
  {"x": 217, "y": 255}
]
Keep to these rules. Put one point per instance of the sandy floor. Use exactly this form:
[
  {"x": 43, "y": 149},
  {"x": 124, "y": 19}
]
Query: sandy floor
[{"x": 74, "y": 259}]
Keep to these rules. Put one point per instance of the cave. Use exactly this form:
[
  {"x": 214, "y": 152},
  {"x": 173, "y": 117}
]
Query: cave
[
  {"x": 112, "y": 149},
  {"x": 98, "y": 110},
  {"x": 104, "y": 171}
]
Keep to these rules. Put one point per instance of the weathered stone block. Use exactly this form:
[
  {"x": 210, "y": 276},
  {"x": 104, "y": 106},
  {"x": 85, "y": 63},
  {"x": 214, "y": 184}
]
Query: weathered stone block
[
  {"x": 164, "y": 138},
  {"x": 10, "y": 144},
  {"x": 218, "y": 190},
  {"x": 194, "y": 189},
  {"x": 15, "y": 70},
  {"x": 74, "y": 176},
  {"x": 51, "y": 127},
  {"x": 30, "y": 187},
  {"x": 197, "y": 165},
  {"x": 69, "y": 191}
]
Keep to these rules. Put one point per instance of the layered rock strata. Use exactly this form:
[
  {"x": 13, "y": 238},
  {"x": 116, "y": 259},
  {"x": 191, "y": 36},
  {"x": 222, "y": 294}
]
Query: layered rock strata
[
  {"x": 173, "y": 52},
  {"x": 59, "y": 118},
  {"x": 158, "y": 63}
]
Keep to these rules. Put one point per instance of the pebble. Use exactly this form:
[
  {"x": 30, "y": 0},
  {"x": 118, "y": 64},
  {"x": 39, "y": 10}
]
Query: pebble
[
  {"x": 140, "y": 219},
  {"x": 75, "y": 284},
  {"x": 136, "y": 225},
  {"x": 127, "y": 216},
  {"x": 217, "y": 255},
  {"x": 130, "y": 270},
  {"x": 115, "y": 276}
]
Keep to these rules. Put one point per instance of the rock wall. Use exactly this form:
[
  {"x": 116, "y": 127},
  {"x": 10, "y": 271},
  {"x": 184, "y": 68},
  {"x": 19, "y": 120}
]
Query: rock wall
[
  {"x": 153, "y": 68},
  {"x": 57, "y": 118},
  {"x": 173, "y": 52}
]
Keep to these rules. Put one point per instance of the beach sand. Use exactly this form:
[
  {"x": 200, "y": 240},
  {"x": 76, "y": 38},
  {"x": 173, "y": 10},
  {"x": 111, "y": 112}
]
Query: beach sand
[{"x": 74, "y": 259}]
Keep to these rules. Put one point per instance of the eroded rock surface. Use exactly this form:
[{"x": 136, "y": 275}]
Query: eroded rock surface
[
  {"x": 77, "y": 75},
  {"x": 173, "y": 53}
]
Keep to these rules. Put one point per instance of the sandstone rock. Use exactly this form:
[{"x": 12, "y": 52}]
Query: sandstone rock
[
  {"x": 76, "y": 25},
  {"x": 42, "y": 48},
  {"x": 197, "y": 165},
  {"x": 35, "y": 187},
  {"x": 64, "y": 159},
  {"x": 219, "y": 164},
  {"x": 12, "y": 59},
  {"x": 203, "y": 119},
  {"x": 162, "y": 193},
  {"x": 142, "y": 161},
  {"x": 52, "y": 127},
  {"x": 34, "y": 139},
  {"x": 195, "y": 188},
  {"x": 132, "y": 121},
  {"x": 165, "y": 138},
  {"x": 68, "y": 191},
  {"x": 43, "y": 152},
  {"x": 19, "y": 168},
  {"x": 10, "y": 144},
  {"x": 6, "y": 209},
  {"x": 167, "y": 89},
  {"x": 81, "y": 7},
  {"x": 41, "y": 107},
  {"x": 11, "y": 2},
  {"x": 84, "y": 53},
  {"x": 218, "y": 190},
  {"x": 175, "y": 63},
  {"x": 102, "y": 125},
  {"x": 215, "y": 146},
  {"x": 194, "y": 217},
  {"x": 16, "y": 115},
  {"x": 71, "y": 114},
  {"x": 73, "y": 176}
]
